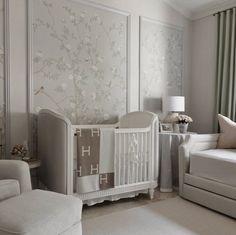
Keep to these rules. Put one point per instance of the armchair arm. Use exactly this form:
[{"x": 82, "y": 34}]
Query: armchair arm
[
  {"x": 192, "y": 144},
  {"x": 19, "y": 170}
]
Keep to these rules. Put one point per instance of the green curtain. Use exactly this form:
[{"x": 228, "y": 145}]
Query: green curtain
[{"x": 226, "y": 64}]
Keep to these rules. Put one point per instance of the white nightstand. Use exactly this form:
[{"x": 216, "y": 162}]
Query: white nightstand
[
  {"x": 34, "y": 166},
  {"x": 169, "y": 157}
]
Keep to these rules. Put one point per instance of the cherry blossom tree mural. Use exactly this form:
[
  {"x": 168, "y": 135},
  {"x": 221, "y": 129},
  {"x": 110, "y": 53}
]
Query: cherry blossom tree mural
[
  {"x": 79, "y": 64},
  {"x": 161, "y": 60}
]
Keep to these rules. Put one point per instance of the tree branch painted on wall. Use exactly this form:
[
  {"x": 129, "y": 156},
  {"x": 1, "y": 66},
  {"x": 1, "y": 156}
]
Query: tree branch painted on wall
[
  {"x": 79, "y": 60},
  {"x": 161, "y": 62}
]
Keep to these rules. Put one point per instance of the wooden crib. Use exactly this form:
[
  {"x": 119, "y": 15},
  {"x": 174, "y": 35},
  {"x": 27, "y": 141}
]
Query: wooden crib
[{"x": 57, "y": 141}]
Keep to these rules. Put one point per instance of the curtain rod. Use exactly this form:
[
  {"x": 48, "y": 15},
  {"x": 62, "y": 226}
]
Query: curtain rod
[{"x": 231, "y": 8}]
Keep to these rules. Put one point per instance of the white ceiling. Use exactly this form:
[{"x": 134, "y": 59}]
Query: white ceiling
[{"x": 195, "y": 9}]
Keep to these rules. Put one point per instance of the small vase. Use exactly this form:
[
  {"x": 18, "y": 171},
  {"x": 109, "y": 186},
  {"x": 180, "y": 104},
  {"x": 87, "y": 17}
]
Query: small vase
[{"x": 183, "y": 127}]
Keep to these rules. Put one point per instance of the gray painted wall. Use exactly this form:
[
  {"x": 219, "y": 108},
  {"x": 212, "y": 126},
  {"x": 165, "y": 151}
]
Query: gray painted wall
[{"x": 203, "y": 74}]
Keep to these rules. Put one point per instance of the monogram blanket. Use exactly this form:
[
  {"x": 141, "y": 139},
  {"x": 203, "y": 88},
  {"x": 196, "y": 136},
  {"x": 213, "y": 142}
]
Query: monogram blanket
[{"x": 95, "y": 159}]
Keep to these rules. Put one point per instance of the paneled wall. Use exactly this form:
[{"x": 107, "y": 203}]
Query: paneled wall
[
  {"x": 156, "y": 10},
  {"x": 2, "y": 52}
]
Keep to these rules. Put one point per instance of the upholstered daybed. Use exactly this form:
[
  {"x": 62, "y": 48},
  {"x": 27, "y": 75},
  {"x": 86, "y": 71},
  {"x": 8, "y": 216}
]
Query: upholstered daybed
[{"x": 207, "y": 174}]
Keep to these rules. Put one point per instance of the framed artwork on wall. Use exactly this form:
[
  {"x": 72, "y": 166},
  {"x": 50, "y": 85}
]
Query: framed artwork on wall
[
  {"x": 78, "y": 60},
  {"x": 161, "y": 63}
]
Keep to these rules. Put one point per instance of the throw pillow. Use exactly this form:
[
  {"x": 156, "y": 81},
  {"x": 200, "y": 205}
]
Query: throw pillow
[{"x": 227, "y": 138}]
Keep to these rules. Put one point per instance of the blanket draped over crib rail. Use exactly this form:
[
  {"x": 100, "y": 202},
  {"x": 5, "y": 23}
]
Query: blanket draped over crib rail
[{"x": 95, "y": 159}]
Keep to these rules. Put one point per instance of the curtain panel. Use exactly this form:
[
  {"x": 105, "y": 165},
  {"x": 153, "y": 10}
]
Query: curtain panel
[{"x": 226, "y": 64}]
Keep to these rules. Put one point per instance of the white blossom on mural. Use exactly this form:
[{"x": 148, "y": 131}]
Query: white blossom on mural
[
  {"x": 161, "y": 57},
  {"x": 79, "y": 60},
  {"x": 2, "y": 113}
]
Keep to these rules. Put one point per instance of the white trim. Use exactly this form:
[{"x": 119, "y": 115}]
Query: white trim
[
  {"x": 163, "y": 23},
  {"x": 204, "y": 11},
  {"x": 128, "y": 64},
  {"x": 102, "y": 7},
  {"x": 30, "y": 96},
  {"x": 7, "y": 79}
]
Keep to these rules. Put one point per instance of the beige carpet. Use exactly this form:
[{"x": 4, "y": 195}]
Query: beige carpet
[{"x": 169, "y": 217}]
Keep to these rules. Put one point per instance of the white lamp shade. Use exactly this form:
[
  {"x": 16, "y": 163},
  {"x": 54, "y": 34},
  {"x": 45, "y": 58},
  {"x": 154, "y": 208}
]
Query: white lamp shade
[{"x": 174, "y": 104}]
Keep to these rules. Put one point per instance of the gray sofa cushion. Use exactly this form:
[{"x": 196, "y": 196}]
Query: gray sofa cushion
[
  {"x": 9, "y": 188},
  {"x": 39, "y": 213},
  {"x": 215, "y": 164}
]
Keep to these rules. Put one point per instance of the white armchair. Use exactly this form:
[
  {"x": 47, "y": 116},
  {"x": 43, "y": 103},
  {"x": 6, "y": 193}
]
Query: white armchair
[
  {"x": 34, "y": 212},
  {"x": 207, "y": 175},
  {"x": 14, "y": 178}
]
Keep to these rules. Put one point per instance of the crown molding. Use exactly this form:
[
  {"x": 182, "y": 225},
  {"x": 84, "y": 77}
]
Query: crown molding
[
  {"x": 207, "y": 10},
  {"x": 212, "y": 8}
]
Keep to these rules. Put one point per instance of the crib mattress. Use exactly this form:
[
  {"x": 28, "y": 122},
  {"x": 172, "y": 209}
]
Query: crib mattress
[{"x": 215, "y": 164}]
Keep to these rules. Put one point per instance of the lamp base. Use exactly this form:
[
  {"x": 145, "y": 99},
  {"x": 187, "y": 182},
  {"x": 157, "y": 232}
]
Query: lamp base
[{"x": 171, "y": 117}]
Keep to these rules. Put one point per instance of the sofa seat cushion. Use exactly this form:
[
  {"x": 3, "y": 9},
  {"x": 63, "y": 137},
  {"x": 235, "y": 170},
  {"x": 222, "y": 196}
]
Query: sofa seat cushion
[
  {"x": 39, "y": 212},
  {"x": 215, "y": 164},
  {"x": 9, "y": 188}
]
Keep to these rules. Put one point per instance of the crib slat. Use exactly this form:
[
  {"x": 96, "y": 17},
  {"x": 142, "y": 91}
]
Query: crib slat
[
  {"x": 141, "y": 157},
  {"x": 128, "y": 160},
  {"x": 117, "y": 161},
  {"x": 149, "y": 156},
  {"x": 145, "y": 157},
  {"x": 136, "y": 165},
  {"x": 124, "y": 158}
]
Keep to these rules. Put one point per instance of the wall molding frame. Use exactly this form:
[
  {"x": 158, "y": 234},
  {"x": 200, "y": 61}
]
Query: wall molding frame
[
  {"x": 30, "y": 84},
  {"x": 143, "y": 19},
  {"x": 7, "y": 79}
]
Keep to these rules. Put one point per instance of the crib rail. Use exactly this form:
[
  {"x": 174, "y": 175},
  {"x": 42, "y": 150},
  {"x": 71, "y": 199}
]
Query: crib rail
[
  {"x": 132, "y": 156},
  {"x": 75, "y": 127}
]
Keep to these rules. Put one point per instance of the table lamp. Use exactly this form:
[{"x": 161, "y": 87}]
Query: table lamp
[{"x": 173, "y": 105}]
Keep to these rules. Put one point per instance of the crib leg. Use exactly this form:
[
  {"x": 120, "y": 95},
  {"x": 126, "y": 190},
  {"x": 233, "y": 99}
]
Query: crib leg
[{"x": 151, "y": 193}]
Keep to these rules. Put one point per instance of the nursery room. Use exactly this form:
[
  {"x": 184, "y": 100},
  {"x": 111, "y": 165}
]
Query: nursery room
[{"x": 118, "y": 117}]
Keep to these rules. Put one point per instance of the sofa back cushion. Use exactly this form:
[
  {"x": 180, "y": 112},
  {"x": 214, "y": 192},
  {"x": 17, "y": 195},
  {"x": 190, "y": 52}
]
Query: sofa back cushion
[{"x": 227, "y": 138}]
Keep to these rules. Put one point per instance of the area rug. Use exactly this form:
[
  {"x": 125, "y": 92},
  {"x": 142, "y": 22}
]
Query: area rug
[{"x": 168, "y": 217}]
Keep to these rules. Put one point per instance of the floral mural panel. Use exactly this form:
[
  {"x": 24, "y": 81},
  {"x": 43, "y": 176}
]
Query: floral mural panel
[
  {"x": 2, "y": 113},
  {"x": 161, "y": 62},
  {"x": 79, "y": 60}
]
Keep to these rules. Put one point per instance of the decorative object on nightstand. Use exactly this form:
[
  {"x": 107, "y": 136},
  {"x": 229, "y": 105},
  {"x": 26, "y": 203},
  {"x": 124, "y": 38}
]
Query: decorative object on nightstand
[
  {"x": 20, "y": 152},
  {"x": 166, "y": 127},
  {"x": 183, "y": 122},
  {"x": 169, "y": 158},
  {"x": 173, "y": 105}
]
